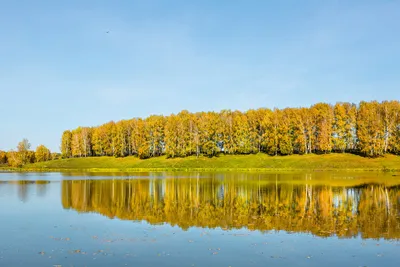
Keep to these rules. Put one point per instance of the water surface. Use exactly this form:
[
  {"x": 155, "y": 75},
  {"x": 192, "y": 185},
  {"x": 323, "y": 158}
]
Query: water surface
[{"x": 199, "y": 219}]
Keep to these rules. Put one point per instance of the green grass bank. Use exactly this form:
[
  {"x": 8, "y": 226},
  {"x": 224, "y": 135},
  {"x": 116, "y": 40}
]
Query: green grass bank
[{"x": 259, "y": 162}]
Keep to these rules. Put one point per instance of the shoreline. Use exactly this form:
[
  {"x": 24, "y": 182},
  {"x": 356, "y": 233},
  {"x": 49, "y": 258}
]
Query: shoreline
[
  {"x": 257, "y": 163},
  {"x": 201, "y": 170}
]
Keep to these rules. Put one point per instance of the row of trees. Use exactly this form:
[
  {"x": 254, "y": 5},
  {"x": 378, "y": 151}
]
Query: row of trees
[
  {"x": 370, "y": 128},
  {"x": 24, "y": 155}
]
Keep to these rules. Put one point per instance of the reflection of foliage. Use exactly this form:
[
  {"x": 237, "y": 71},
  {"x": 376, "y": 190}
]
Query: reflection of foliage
[
  {"x": 24, "y": 186},
  {"x": 23, "y": 191},
  {"x": 370, "y": 210}
]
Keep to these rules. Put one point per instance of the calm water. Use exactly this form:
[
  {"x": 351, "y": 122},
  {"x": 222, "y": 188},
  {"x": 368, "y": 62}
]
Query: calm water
[{"x": 185, "y": 219}]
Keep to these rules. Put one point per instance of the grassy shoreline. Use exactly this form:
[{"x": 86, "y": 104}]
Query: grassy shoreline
[{"x": 223, "y": 163}]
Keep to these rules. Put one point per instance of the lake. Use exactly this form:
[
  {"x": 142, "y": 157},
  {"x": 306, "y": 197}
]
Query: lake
[{"x": 200, "y": 219}]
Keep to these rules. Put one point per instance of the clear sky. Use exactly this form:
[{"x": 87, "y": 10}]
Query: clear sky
[{"x": 60, "y": 69}]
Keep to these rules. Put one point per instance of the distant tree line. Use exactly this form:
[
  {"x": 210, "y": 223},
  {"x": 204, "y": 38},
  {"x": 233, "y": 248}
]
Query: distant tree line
[
  {"x": 23, "y": 155},
  {"x": 369, "y": 128}
]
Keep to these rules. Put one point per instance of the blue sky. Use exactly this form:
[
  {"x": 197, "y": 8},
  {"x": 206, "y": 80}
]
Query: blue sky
[{"x": 59, "y": 69}]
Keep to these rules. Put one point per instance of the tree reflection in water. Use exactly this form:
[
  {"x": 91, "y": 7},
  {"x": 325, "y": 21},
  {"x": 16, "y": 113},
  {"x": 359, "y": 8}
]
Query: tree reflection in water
[{"x": 367, "y": 209}]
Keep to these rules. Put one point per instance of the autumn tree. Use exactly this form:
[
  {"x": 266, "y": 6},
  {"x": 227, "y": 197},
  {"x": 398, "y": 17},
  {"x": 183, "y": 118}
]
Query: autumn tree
[
  {"x": 257, "y": 128},
  {"x": 86, "y": 144},
  {"x": 301, "y": 137},
  {"x": 241, "y": 134},
  {"x": 66, "y": 141},
  {"x": 99, "y": 141},
  {"x": 390, "y": 111},
  {"x": 133, "y": 140},
  {"x": 155, "y": 127},
  {"x": 23, "y": 151},
  {"x": 323, "y": 118},
  {"x": 271, "y": 136},
  {"x": 31, "y": 157},
  {"x": 76, "y": 142},
  {"x": 210, "y": 133},
  {"x": 370, "y": 129},
  {"x": 344, "y": 127},
  {"x": 285, "y": 132},
  {"x": 394, "y": 141},
  {"x": 3, "y": 157},
  {"x": 103, "y": 140},
  {"x": 22, "y": 156},
  {"x": 14, "y": 159},
  {"x": 42, "y": 154},
  {"x": 174, "y": 137},
  {"x": 140, "y": 139},
  {"x": 227, "y": 132},
  {"x": 181, "y": 135}
]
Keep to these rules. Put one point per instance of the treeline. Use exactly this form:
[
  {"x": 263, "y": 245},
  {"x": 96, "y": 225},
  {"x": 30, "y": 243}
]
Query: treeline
[
  {"x": 23, "y": 155},
  {"x": 369, "y": 128}
]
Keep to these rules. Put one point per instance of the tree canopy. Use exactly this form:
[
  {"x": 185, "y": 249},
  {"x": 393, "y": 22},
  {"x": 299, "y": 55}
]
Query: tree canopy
[
  {"x": 23, "y": 155},
  {"x": 370, "y": 128}
]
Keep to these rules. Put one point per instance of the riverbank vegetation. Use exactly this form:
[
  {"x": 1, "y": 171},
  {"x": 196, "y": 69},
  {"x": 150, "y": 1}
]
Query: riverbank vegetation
[
  {"x": 23, "y": 155},
  {"x": 369, "y": 129},
  {"x": 257, "y": 162}
]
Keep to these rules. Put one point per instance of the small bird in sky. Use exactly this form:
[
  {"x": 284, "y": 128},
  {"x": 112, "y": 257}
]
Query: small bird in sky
[{"x": 107, "y": 31}]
